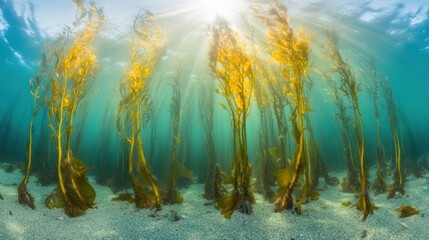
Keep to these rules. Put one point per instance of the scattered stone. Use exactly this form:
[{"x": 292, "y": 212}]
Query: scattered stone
[
  {"x": 10, "y": 213},
  {"x": 174, "y": 216},
  {"x": 363, "y": 234},
  {"x": 404, "y": 225},
  {"x": 60, "y": 218}
]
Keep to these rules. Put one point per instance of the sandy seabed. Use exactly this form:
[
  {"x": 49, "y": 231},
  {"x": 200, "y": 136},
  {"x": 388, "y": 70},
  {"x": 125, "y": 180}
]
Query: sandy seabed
[{"x": 322, "y": 219}]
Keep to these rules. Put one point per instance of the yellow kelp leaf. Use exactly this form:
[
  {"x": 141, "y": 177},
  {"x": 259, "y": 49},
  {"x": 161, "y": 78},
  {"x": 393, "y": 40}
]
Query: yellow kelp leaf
[
  {"x": 273, "y": 152},
  {"x": 228, "y": 179},
  {"x": 283, "y": 176},
  {"x": 223, "y": 106},
  {"x": 67, "y": 102},
  {"x": 278, "y": 55},
  {"x": 184, "y": 171}
]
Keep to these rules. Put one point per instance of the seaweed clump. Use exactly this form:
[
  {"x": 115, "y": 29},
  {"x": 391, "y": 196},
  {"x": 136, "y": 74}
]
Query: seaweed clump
[
  {"x": 231, "y": 66},
  {"x": 406, "y": 211},
  {"x": 74, "y": 67},
  {"x": 146, "y": 50}
]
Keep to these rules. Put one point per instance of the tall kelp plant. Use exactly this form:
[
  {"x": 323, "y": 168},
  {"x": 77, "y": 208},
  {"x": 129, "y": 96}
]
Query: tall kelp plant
[
  {"x": 74, "y": 68},
  {"x": 147, "y": 47},
  {"x": 349, "y": 88},
  {"x": 177, "y": 168},
  {"x": 266, "y": 163},
  {"x": 350, "y": 182},
  {"x": 231, "y": 66},
  {"x": 373, "y": 86},
  {"x": 291, "y": 52},
  {"x": 279, "y": 101},
  {"x": 206, "y": 113},
  {"x": 267, "y": 154},
  {"x": 37, "y": 86},
  {"x": 398, "y": 184}
]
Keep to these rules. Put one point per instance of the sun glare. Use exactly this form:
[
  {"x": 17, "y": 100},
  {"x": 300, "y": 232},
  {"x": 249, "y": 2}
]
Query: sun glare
[{"x": 213, "y": 8}]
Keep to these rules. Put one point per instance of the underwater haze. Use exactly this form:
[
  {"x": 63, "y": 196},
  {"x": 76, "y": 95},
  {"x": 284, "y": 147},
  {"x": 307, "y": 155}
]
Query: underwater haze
[{"x": 243, "y": 96}]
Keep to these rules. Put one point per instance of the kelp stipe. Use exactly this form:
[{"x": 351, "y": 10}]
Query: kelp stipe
[
  {"x": 177, "y": 168},
  {"x": 147, "y": 47},
  {"x": 398, "y": 183},
  {"x": 231, "y": 66},
  {"x": 350, "y": 89},
  {"x": 291, "y": 52},
  {"x": 206, "y": 114},
  {"x": 267, "y": 164},
  {"x": 74, "y": 67},
  {"x": 350, "y": 183},
  {"x": 37, "y": 86},
  {"x": 266, "y": 140},
  {"x": 379, "y": 185}
]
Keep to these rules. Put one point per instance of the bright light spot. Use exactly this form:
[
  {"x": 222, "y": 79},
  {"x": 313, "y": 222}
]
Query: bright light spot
[{"x": 223, "y": 8}]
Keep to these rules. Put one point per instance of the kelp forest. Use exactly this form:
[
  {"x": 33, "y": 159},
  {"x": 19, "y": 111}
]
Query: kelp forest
[{"x": 240, "y": 114}]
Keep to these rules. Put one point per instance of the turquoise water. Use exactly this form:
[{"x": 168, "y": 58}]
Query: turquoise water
[{"x": 393, "y": 34}]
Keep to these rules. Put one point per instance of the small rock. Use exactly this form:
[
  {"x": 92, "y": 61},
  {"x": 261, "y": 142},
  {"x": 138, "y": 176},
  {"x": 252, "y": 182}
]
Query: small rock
[
  {"x": 174, "y": 216},
  {"x": 363, "y": 234},
  {"x": 10, "y": 213},
  {"x": 398, "y": 195},
  {"x": 404, "y": 225},
  {"x": 60, "y": 218}
]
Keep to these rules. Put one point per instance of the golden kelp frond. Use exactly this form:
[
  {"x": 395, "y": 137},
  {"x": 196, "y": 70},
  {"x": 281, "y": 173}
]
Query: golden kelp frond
[
  {"x": 283, "y": 176},
  {"x": 184, "y": 171},
  {"x": 406, "y": 211},
  {"x": 124, "y": 197},
  {"x": 231, "y": 66},
  {"x": 55, "y": 199},
  {"x": 347, "y": 204},
  {"x": 79, "y": 193}
]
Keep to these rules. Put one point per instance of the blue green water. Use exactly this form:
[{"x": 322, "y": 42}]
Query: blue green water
[{"x": 394, "y": 34}]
